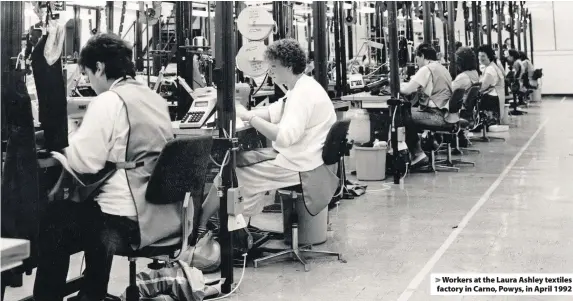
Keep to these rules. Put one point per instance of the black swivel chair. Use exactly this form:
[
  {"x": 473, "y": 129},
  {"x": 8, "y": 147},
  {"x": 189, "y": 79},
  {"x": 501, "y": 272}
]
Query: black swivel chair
[
  {"x": 334, "y": 150},
  {"x": 450, "y": 128},
  {"x": 481, "y": 117},
  {"x": 178, "y": 177},
  {"x": 471, "y": 118}
]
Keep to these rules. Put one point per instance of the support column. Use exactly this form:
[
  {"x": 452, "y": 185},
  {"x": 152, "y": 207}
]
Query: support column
[
  {"x": 343, "y": 56},
  {"x": 98, "y": 19},
  {"x": 452, "y": 38},
  {"x": 350, "y": 44},
  {"x": 530, "y": 36},
  {"x": 76, "y": 35},
  {"x": 109, "y": 15},
  {"x": 511, "y": 25},
  {"x": 182, "y": 12},
  {"x": 309, "y": 31},
  {"x": 500, "y": 29},
  {"x": 475, "y": 27},
  {"x": 428, "y": 38},
  {"x": 524, "y": 16},
  {"x": 488, "y": 15},
  {"x": 337, "y": 49},
  {"x": 138, "y": 47},
  {"x": 519, "y": 23},
  {"x": 319, "y": 33},
  {"x": 394, "y": 76},
  {"x": 156, "y": 45},
  {"x": 225, "y": 63}
]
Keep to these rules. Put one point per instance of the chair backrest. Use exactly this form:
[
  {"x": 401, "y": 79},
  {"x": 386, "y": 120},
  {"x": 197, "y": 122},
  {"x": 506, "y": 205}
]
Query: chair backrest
[
  {"x": 181, "y": 168},
  {"x": 456, "y": 101},
  {"x": 537, "y": 74},
  {"x": 335, "y": 144},
  {"x": 472, "y": 97}
]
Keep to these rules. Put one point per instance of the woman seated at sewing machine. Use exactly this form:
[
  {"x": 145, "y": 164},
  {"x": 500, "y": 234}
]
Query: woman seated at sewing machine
[
  {"x": 492, "y": 85},
  {"x": 433, "y": 83},
  {"x": 297, "y": 125},
  {"x": 116, "y": 213}
]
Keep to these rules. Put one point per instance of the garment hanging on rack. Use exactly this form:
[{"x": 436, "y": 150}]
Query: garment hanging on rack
[
  {"x": 20, "y": 200},
  {"x": 51, "y": 91}
]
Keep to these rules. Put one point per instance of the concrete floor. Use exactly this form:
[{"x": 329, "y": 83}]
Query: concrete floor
[{"x": 509, "y": 214}]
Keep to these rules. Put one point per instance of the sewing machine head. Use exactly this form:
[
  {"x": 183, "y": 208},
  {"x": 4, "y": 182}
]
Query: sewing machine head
[{"x": 77, "y": 107}]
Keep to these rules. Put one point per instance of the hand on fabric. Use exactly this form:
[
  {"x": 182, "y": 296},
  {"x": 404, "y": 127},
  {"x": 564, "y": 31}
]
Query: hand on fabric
[{"x": 242, "y": 112}]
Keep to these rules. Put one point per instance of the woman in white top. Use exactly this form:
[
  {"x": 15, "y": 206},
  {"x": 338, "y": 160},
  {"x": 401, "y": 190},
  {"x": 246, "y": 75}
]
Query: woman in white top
[
  {"x": 297, "y": 125},
  {"x": 492, "y": 84}
]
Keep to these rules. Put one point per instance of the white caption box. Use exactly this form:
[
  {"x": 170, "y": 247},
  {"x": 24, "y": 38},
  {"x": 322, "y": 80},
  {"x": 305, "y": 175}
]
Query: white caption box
[{"x": 501, "y": 284}]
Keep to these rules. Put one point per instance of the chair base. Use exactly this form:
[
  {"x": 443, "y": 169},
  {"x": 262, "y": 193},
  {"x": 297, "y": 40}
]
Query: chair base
[
  {"x": 296, "y": 252},
  {"x": 484, "y": 137},
  {"x": 132, "y": 291},
  {"x": 433, "y": 167}
]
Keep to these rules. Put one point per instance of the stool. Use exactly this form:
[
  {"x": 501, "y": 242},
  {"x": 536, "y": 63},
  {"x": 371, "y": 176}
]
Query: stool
[{"x": 295, "y": 251}]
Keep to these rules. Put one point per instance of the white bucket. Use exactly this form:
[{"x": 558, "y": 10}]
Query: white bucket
[
  {"x": 371, "y": 163},
  {"x": 359, "y": 130}
]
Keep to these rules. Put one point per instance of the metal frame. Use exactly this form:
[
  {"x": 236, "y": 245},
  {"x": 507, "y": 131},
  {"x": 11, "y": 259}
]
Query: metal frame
[
  {"x": 475, "y": 27},
  {"x": 511, "y": 25},
  {"x": 394, "y": 76},
  {"x": 225, "y": 64},
  {"x": 451, "y": 37},
  {"x": 428, "y": 28},
  {"x": 320, "y": 46},
  {"x": 489, "y": 17},
  {"x": 531, "y": 36}
]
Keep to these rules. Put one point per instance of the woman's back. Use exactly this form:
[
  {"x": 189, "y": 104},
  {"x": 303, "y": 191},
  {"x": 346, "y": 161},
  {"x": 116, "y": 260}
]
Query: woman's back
[{"x": 465, "y": 80}]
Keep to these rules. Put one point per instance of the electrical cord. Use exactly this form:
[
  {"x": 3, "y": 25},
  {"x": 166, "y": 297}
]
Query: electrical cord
[{"x": 238, "y": 283}]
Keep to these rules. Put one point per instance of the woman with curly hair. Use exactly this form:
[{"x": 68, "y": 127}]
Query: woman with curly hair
[
  {"x": 467, "y": 69},
  {"x": 297, "y": 125},
  {"x": 466, "y": 62}
]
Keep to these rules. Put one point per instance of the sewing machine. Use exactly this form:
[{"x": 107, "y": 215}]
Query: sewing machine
[{"x": 77, "y": 107}]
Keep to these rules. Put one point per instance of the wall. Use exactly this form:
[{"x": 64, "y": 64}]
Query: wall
[{"x": 553, "y": 44}]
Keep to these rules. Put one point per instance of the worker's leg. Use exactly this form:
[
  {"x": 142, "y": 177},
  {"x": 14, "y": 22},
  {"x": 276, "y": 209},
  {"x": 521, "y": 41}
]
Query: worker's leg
[
  {"x": 60, "y": 236},
  {"x": 255, "y": 181},
  {"x": 103, "y": 238}
]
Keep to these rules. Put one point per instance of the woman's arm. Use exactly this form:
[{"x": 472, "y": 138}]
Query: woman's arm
[
  {"x": 90, "y": 144},
  {"x": 420, "y": 79},
  {"x": 269, "y": 130},
  {"x": 487, "y": 81},
  {"x": 409, "y": 87}
]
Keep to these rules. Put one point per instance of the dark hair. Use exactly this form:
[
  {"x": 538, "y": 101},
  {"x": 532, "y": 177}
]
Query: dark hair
[
  {"x": 523, "y": 56},
  {"x": 514, "y": 54},
  {"x": 111, "y": 50},
  {"x": 427, "y": 51},
  {"x": 488, "y": 51},
  {"x": 458, "y": 45},
  {"x": 289, "y": 53},
  {"x": 466, "y": 59}
]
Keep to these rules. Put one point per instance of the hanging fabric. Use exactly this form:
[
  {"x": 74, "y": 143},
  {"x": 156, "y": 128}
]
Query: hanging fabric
[
  {"x": 20, "y": 200},
  {"x": 50, "y": 87}
]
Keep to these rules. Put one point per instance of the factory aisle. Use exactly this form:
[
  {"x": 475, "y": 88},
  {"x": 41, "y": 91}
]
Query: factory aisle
[{"x": 509, "y": 214}]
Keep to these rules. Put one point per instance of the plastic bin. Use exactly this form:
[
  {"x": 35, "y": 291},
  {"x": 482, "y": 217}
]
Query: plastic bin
[
  {"x": 312, "y": 230},
  {"x": 359, "y": 130},
  {"x": 505, "y": 114},
  {"x": 371, "y": 163}
]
